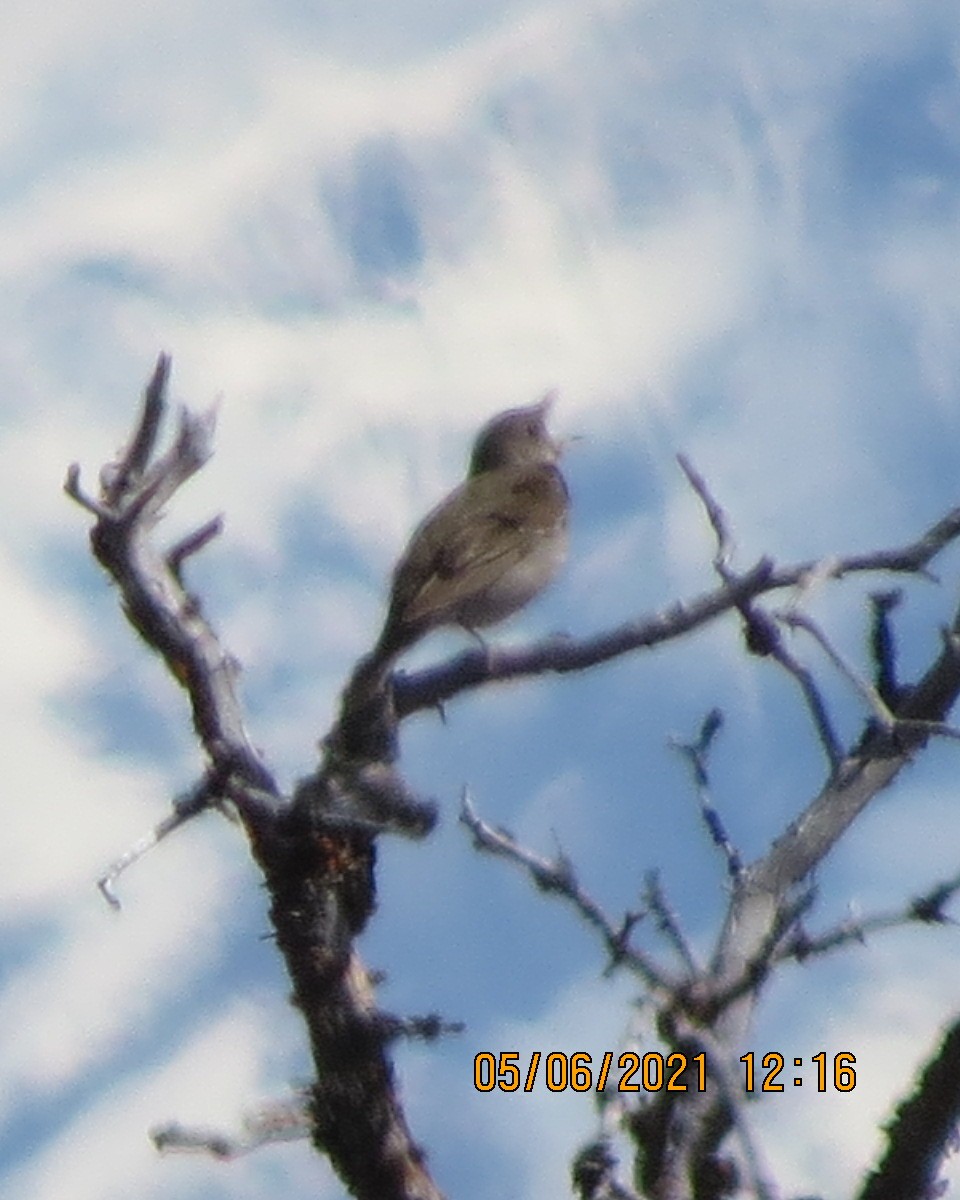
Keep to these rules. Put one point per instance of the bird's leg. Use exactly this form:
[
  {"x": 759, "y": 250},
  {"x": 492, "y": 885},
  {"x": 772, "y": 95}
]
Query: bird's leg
[{"x": 477, "y": 636}]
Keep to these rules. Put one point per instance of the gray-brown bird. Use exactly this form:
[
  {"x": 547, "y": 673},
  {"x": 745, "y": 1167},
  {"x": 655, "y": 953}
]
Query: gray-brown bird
[{"x": 486, "y": 550}]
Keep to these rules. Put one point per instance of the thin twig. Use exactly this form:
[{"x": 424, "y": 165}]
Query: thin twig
[
  {"x": 926, "y": 909},
  {"x": 716, "y": 516},
  {"x": 280, "y": 1121},
  {"x": 795, "y": 619},
  {"x": 117, "y": 478},
  {"x": 832, "y": 747},
  {"x": 425, "y": 689},
  {"x": 203, "y": 796},
  {"x": 559, "y": 876},
  {"x": 695, "y": 754},
  {"x": 668, "y": 923},
  {"x": 74, "y": 489},
  {"x": 193, "y": 543}
]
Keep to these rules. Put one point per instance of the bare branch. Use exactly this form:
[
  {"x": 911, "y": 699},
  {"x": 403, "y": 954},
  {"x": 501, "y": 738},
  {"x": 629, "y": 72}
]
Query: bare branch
[
  {"x": 317, "y": 860},
  {"x": 716, "y": 516},
  {"x": 927, "y": 909},
  {"x": 923, "y": 1131},
  {"x": 559, "y": 876},
  {"x": 798, "y": 620},
  {"x": 166, "y": 616},
  {"x": 206, "y": 793},
  {"x": 865, "y": 771},
  {"x": 669, "y": 924},
  {"x": 280, "y": 1121},
  {"x": 696, "y": 753},
  {"x": 912, "y": 558},
  {"x": 475, "y": 668},
  {"x": 192, "y": 544}
]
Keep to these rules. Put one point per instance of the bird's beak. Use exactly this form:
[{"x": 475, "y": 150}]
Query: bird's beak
[{"x": 545, "y": 407}]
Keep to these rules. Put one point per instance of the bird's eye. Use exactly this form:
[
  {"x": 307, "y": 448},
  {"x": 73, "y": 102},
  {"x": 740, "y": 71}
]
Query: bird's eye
[{"x": 533, "y": 429}]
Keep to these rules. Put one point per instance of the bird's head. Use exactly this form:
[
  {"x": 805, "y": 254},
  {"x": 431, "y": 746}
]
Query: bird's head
[{"x": 517, "y": 437}]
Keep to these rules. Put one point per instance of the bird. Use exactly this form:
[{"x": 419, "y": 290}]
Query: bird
[{"x": 485, "y": 551}]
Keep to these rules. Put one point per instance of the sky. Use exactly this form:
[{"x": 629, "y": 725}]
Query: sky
[{"x": 729, "y": 229}]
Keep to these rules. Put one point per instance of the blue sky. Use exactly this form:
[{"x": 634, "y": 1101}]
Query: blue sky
[{"x": 730, "y": 229}]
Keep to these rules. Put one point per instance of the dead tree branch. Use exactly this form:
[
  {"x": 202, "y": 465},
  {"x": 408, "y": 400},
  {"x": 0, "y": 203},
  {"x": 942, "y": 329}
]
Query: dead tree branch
[
  {"x": 279, "y": 1122},
  {"x": 680, "y": 1136},
  {"x": 475, "y": 668},
  {"x": 316, "y": 850},
  {"x": 696, "y": 755},
  {"x": 923, "y": 1131},
  {"x": 559, "y": 876},
  {"x": 927, "y": 909}
]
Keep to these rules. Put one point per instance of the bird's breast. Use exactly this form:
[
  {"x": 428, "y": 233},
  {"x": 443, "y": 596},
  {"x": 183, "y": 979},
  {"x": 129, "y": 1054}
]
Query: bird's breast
[{"x": 518, "y": 585}]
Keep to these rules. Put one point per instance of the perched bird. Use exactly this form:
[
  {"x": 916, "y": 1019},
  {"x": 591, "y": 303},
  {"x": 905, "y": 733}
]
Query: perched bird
[{"x": 486, "y": 550}]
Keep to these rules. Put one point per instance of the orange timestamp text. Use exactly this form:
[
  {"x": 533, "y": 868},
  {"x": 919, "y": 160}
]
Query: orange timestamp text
[{"x": 652, "y": 1071}]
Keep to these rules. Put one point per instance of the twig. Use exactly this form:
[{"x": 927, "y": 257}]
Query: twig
[
  {"x": 695, "y": 754},
  {"x": 193, "y": 543},
  {"x": 429, "y": 1028},
  {"x": 798, "y": 620},
  {"x": 716, "y": 516},
  {"x": 117, "y": 478},
  {"x": 815, "y": 704},
  {"x": 280, "y": 1121},
  {"x": 74, "y": 489},
  {"x": 667, "y": 922},
  {"x": 923, "y": 1130},
  {"x": 201, "y": 797},
  {"x": 559, "y": 876},
  {"x": 926, "y": 909},
  {"x": 425, "y": 689},
  {"x": 883, "y": 645}
]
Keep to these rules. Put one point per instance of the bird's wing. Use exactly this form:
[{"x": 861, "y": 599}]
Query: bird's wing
[{"x": 482, "y": 530}]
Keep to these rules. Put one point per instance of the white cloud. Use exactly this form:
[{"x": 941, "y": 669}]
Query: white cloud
[
  {"x": 890, "y": 1019},
  {"x": 532, "y": 1135},
  {"x": 641, "y": 204},
  {"x": 105, "y": 1152},
  {"x": 98, "y": 978}
]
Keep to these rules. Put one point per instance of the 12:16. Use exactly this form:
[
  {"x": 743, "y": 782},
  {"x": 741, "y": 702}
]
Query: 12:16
[{"x": 844, "y": 1076}]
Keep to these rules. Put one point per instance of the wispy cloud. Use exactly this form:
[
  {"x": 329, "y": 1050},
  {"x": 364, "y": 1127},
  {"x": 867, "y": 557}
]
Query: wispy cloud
[{"x": 723, "y": 228}]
